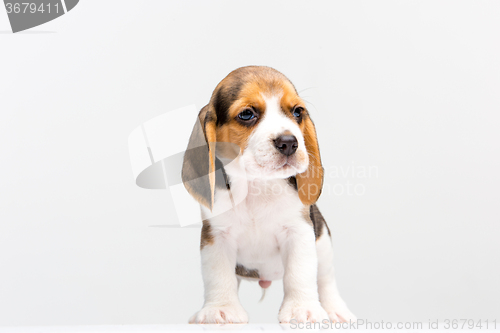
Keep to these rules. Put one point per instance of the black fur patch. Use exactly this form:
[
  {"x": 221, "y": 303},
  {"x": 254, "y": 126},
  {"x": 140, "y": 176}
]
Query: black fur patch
[
  {"x": 224, "y": 98},
  {"x": 221, "y": 182},
  {"x": 318, "y": 221},
  {"x": 292, "y": 181},
  {"x": 249, "y": 273}
]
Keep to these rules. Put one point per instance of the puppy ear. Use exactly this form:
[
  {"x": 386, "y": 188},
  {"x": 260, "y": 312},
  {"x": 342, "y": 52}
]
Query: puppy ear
[
  {"x": 310, "y": 182},
  {"x": 198, "y": 168}
]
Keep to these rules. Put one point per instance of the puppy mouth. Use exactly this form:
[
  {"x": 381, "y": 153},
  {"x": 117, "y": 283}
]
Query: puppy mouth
[
  {"x": 278, "y": 165},
  {"x": 286, "y": 163},
  {"x": 289, "y": 165}
]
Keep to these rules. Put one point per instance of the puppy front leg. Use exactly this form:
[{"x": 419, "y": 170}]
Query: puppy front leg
[
  {"x": 218, "y": 260},
  {"x": 298, "y": 251},
  {"x": 327, "y": 287}
]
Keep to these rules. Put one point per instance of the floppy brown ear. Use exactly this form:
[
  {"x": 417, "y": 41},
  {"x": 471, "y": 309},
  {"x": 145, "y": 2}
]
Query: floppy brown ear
[
  {"x": 310, "y": 182},
  {"x": 198, "y": 167}
]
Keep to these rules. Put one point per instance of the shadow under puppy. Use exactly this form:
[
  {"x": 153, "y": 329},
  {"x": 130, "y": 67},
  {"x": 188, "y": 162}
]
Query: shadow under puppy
[{"x": 253, "y": 163}]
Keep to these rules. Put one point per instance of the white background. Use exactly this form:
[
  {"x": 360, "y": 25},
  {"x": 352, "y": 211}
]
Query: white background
[{"x": 409, "y": 87}]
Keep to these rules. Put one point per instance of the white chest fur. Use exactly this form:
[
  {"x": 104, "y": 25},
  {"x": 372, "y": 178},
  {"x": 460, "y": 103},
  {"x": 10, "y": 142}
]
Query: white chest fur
[{"x": 258, "y": 222}]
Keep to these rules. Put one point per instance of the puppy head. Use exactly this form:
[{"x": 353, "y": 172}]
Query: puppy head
[{"x": 258, "y": 109}]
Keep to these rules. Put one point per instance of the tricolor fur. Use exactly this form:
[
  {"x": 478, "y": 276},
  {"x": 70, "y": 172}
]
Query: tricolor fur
[{"x": 260, "y": 221}]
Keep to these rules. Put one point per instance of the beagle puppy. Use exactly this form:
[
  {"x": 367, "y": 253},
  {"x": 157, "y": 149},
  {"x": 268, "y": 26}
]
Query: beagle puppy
[{"x": 253, "y": 163}]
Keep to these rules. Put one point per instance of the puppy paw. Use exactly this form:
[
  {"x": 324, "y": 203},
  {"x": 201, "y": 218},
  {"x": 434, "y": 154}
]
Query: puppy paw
[
  {"x": 227, "y": 314},
  {"x": 301, "y": 312},
  {"x": 340, "y": 313}
]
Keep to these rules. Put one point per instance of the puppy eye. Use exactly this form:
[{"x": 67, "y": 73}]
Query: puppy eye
[
  {"x": 246, "y": 115},
  {"x": 297, "y": 112}
]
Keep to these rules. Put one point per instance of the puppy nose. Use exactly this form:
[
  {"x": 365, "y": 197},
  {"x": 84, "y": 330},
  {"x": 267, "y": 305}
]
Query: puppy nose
[{"x": 286, "y": 144}]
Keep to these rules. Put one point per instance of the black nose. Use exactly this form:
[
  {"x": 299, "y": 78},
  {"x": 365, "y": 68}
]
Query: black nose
[{"x": 286, "y": 144}]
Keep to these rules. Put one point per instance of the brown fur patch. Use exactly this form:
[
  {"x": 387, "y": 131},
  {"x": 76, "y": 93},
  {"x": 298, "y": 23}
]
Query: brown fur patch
[
  {"x": 249, "y": 273},
  {"x": 206, "y": 234},
  {"x": 310, "y": 182},
  {"x": 289, "y": 100},
  {"x": 235, "y": 133}
]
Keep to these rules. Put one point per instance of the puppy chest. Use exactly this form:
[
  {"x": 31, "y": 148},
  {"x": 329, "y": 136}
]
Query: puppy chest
[
  {"x": 261, "y": 219},
  {"x": 258, "y": 250}
]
